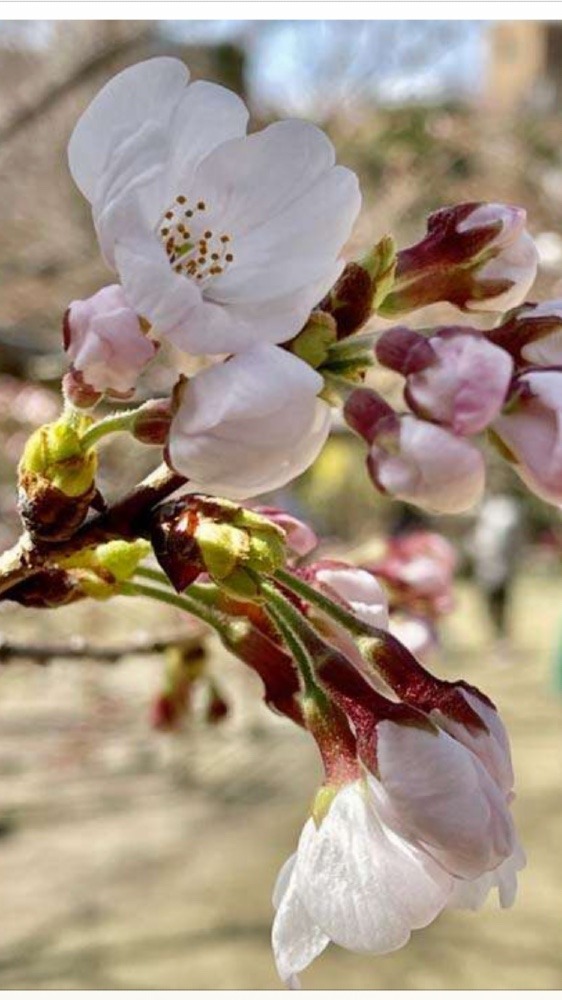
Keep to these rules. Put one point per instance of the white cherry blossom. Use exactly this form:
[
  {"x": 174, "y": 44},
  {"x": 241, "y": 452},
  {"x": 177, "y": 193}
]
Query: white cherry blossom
[
  {"x": 221, "y": 240},
  {"x": 355, "y": 882}
]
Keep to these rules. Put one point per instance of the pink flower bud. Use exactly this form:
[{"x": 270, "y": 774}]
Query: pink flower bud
[
  {"x": 428, "y": 466},
  {"x": 532, "y": 333},
  {"x": 105, "y": 342},
  {"x": 416, "y": 461},
  {"x": 404, "y": 351},
  {"x": 464, "y": 385},
  {"x": 477, "y": 256},
  {"x": 300, "y": 537},
  {"x": 529, "y": 432}
]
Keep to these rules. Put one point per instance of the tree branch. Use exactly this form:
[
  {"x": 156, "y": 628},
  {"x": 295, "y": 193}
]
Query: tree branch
[{"x": 79, "y": 649}]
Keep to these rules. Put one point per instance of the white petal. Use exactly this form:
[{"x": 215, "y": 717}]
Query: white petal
[
  {"x": 164, "y": 298},
  {"x": 294, "y": 246},
  {"x": 471, "y": 894},
  {"x": 444, "y": 797},
  {"x": 360, "y": 589},
  {"x": 248, "y": 181},
  {"x": 206, "y": 116},
  {"x": 296, "y": 940},
  {"x": 366, "y": 888},
  {"x": 148, "y": 91},
  {"x": 220, "y": 329},
  {"x": 492, "y": 747}
]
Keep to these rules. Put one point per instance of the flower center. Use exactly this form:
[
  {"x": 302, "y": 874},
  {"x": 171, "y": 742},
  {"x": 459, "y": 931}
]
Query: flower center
[{"x": 192, "y": 248}]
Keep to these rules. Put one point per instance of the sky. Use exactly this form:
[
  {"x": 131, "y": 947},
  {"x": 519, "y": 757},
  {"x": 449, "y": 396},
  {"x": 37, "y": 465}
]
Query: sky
[
  {"x": 300, "y": 65},
  {"x": 305, "y": 67}
]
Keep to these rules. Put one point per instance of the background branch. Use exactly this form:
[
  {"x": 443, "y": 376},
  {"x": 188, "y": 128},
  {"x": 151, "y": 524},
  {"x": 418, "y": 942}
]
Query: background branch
[{"x": 79, "y": 649}]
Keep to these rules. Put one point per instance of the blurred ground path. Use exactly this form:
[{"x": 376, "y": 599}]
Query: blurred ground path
[{"x": 133, "y": 861}]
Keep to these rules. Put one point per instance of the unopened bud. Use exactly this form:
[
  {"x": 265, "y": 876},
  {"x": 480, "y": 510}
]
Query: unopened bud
[
  {"x": 414, "y": 460},
  {"x": 56, "y": 480},
  {"x": 477, "y": 256},
  {"x": 152, "y": 421},
  {"x": 532, "y": 334},
  {"x": 454, "y": 377},
  {"x": 102, "y": 569},
  {"x": 217, "y": 707},
  {"x": 205, "y": 534},
  {"x": 528, "y": 433},
  {"x": 106, "y": 342},
  {"x": 313, "y": 343},
  {"x": 361, "y": 287}
]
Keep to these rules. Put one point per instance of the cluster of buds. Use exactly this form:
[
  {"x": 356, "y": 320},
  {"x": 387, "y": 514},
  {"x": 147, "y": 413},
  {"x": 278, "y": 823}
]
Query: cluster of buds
[{"x": 460, "y": 381}]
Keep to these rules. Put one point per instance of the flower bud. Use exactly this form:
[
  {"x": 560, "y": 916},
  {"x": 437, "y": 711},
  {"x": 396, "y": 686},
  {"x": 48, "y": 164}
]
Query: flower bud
[
  {"x": 312, "y": 344},
  {"x": 56, "y": 480},
  {"x": 78, "y": 392},
  {"x": 529, "y": 432},
  {"x": 201, "y": 534},
  {"x": 248, "y": 425},
  {"x": 151, "y": 423},
  {"x": 104, "y": 339},
  {"x": 361, "y": 287},
  {"x": 416, "y": 461},
  {"x": 456, "y": 377},
  {"x": 477, "y": 256},
  {"x": 102, "y": 569},
  {"x": 217, "y": 708},
  {"x": 184, "y": 667},
  {"x": 532, "y": 334}
]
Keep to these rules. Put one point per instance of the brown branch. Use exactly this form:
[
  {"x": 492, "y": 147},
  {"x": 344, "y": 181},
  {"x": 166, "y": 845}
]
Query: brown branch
[
  {"x": 79, "y": 649},
  {"x": 127, "y": 518}
]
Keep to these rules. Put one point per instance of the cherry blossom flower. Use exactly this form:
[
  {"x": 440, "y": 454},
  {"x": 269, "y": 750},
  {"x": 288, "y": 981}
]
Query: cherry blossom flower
[
  {"x": 221, "y": 240},
  {"x": 105, "y": 342},
  {"x": 249, "y": 425},
  {"x": 355, "y": 882},
  {"x": 529, "y": 432}
]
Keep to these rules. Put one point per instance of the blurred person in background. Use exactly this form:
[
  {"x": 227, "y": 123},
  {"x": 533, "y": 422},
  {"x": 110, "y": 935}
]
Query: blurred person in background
[{"x": 495, "y": 550}]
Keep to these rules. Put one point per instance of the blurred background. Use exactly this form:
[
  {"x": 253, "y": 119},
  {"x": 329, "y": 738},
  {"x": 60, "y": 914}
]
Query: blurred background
[{"x": 132, "y": 858}]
